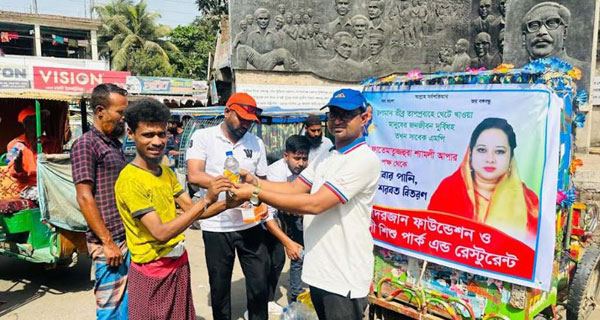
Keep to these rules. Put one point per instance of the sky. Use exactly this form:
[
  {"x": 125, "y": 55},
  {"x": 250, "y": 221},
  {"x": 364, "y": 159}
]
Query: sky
[{"x": 173, "y": 12}]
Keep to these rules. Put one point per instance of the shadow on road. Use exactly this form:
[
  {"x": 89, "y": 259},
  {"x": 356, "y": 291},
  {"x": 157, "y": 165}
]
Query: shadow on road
[{"x": 26, "y": 282}]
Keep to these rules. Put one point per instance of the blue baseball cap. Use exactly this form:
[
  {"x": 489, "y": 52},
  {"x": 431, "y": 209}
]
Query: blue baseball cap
[{"x": 347, "y": 99}]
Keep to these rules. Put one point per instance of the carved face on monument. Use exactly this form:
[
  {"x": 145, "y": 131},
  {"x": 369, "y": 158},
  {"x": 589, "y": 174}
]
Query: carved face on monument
[
  {"x": 374, "y": 9},
  {"x": 306, "y": 19},
  {"x": 281, "y": 9},
  {"x": 250, "y": 19},
  {"x": 298, "y": 18},
  {"x": 462, "y": 45},
  {"x": 545, "y": 29},
  {"x": 310, "y": 12},
  {"x": 316, "y": 26},
  {"x": 263, "y": 17},
  {"x": 376, "y": 41},
  {"x": 485, "y": 6},
  {"x": 289, "y": 18},
  {"x": 483, "y": 41},
  {"x": 243, "y": 25},
  {"x": 279, "y": 22},
  {"x": 343, "y": 44},
  {"x": 342, "y": 7},
  {"x": 359, "y": 24},
  {"x": 502, "y": 7}
]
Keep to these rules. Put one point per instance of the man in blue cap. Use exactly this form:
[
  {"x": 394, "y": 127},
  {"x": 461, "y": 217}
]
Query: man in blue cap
[{"x": 336, "y": 194}]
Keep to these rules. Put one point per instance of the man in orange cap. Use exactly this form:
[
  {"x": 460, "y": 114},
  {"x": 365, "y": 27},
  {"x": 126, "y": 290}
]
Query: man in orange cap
[
  {"x": 24, "y": 166},
  {"x": 226, "y": 234}
]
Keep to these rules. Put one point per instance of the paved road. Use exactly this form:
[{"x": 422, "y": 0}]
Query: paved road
[{"x": 27, "y": 291}]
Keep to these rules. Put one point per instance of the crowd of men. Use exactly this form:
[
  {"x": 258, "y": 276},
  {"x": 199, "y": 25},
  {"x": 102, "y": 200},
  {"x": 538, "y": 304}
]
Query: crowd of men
[{"x": 320, "y": 196}]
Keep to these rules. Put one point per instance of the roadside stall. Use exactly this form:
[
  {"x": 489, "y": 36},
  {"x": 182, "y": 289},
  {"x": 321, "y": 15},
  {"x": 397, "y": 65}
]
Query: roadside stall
[{"x": 494, "y": 231}]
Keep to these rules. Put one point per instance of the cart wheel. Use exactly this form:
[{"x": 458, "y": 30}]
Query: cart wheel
[{"x": 585, "y": 287}]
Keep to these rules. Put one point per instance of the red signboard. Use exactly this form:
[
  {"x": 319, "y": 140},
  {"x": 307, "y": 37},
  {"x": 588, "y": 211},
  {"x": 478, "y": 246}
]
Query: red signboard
[
  {"x": 75, "y": 80},
  {"x": 452, "y": 239}
]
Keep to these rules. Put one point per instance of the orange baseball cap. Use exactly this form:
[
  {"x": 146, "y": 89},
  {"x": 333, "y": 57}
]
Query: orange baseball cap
[
  {"x": 244, "y": 105},
  {"x": 28, "y": 111}
]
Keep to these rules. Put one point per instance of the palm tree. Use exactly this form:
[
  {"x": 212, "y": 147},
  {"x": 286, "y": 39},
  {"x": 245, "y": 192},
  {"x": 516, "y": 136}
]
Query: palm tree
[{"x": 127, "y": 28}]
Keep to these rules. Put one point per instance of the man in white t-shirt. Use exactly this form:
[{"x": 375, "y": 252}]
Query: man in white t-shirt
[
  {"x": 227, "y": 233},
  {"x": 319, "y": 145},
  {"x": 336, "y": 194}
]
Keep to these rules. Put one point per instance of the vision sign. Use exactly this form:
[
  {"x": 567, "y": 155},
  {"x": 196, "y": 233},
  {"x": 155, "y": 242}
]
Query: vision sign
[
  {"x": 14, "y": 77},
  {"x": 75, "y": 80}
]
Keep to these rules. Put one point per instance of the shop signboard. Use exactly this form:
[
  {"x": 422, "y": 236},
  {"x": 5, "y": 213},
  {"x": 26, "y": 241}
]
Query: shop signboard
[
  {"x": 159, "y": 85},
  {"x": 75, "y": 80},
  {"x": 15, "y": 77},
  {"x": 469, "y": 177}
]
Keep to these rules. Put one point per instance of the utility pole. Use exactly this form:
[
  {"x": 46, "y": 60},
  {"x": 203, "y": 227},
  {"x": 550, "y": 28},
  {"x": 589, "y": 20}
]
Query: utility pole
[
  {"x": 35, "y": 9},
  {"x": 92, "y": 7}
]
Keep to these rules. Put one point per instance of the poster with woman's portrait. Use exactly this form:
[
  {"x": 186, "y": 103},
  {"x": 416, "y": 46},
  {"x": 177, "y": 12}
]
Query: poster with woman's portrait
[{"x": 469, "y": 176}]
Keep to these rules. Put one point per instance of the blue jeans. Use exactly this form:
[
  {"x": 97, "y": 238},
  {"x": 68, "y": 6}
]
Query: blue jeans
[{"x": 294, "y": 231}]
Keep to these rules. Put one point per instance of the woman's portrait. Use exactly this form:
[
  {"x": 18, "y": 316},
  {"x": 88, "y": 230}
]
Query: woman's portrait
[{"x": 486, "y": 187}]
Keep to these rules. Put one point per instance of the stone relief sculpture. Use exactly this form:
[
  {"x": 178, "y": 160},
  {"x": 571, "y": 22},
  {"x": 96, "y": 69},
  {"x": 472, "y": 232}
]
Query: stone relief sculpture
[
  {"x": 484, "y": 59},
  {"x": 387, "y": 36},
  {"x": 545, "y": 29}
]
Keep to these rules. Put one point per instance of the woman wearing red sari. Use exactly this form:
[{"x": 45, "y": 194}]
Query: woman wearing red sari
[{"x": 487, "y": 188}]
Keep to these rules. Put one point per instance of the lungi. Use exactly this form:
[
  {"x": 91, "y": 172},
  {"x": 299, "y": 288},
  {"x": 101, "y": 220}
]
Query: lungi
[{"x": 161, "y": 289}]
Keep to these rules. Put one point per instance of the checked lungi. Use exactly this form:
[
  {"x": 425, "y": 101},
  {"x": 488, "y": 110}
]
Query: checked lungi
[{"x": 161, "y": 290}]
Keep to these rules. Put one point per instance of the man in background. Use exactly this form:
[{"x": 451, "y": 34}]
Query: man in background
[{"x": 319, "y": 145}]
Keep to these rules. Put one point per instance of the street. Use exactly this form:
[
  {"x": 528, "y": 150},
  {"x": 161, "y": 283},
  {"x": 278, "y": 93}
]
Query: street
[{"x": 27, "y": 291}]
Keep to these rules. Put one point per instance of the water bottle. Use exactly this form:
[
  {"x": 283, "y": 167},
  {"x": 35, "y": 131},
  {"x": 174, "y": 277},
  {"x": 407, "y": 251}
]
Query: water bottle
[
  {"x": 232, "y": 167},
  {"x": 14, "y": 152}
]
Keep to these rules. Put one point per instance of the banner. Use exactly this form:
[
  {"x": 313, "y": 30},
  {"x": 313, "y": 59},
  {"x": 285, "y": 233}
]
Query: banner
[
  {"x": 75, "y": 80},
  {"x": 157, "y": 85},
  {"x": 15, "y": 77},
  {"x": 469, "y": 177},
  {"x": 290, "y": 96}
]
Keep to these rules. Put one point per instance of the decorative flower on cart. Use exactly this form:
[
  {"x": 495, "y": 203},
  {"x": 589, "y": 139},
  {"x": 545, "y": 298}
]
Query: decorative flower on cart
[
  {"x": 574, "y": 164},
  {"x": 414, "y": 75},
  {"x": 504, "y": 68},
  {"x": 579, "y": 121},
  {"x": 575, "y": 73},
  {"x": 581, "y": 98}
]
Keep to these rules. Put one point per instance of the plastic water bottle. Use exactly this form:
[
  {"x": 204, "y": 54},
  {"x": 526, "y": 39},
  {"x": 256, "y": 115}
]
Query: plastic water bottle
[
  {"x": 232, "y": 167},
  {"x": 14, "y": 152}
]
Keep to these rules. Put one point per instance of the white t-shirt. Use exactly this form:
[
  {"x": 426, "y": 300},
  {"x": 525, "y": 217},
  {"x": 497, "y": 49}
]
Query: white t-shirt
[
  {"x": 210, "y": 145},
  {"x": 279, "y": 171},
  {"x": 321, "y": 151},
  {"x": 338, "y": 243}
]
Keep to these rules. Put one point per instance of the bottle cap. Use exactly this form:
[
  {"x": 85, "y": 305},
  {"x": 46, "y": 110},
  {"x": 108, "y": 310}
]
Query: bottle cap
[{"x": 229, "y": 153}]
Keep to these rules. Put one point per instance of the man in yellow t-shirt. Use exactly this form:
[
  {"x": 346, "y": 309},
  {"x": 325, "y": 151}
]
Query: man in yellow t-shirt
[{"x": 146, "y": 193}]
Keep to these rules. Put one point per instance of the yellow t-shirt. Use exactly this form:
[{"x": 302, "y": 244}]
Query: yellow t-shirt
[{"x": 138, "y": 192}]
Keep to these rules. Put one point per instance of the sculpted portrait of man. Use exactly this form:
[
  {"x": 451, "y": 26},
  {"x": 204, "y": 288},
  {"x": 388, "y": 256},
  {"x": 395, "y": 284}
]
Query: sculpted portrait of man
[
  {"x": 262, "y": 39},
  {"x": 341, "y": 64},
  {"x": 342, "y": 22},
  {"x": 461, "y": 59},
  {"x": 378, "y": 63},
  {"x": 484, "y": 59},
  {"x": 485, "y": 19},
  {"x": 360, "y": 43},
  {"x": 545, "y": 30}
]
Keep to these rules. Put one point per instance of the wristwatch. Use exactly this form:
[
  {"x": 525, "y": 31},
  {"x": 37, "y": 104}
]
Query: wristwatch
[{"x": 254, "y": 200}]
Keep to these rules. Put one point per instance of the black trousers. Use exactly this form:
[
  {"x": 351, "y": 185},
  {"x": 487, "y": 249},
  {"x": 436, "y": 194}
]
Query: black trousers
[
  {"x": 220, "y": 251},
  {"x": 331, "y": 306},
  {"x": 277, "y": 260}
]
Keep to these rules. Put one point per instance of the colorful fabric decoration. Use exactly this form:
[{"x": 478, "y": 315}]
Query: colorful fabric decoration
[
  {"x": 579, "y": 121},
  {"x": 575, "y": 74},
  {"x": 566, "y": 198},
  {"x": 476, "y": 70},
  {"x": 581, "y": 98},
  {"x": 414, "y": 75}
]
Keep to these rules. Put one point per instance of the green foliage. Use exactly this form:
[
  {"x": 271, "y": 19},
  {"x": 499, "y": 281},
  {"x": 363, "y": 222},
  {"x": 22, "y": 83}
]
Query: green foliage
[
  {"x": 195, "y": 42},
  {"x": 146, "y": 63},
  {"x": 129, "y": 31},
  {"x": 212, "y": 7}
]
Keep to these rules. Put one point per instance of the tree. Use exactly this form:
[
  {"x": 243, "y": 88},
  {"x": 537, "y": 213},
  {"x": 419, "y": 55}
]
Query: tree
[
  {"x": 195, "y": 42},
  {"x": 129, "y": 31},
  {"x": 213, "y": 7}
]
